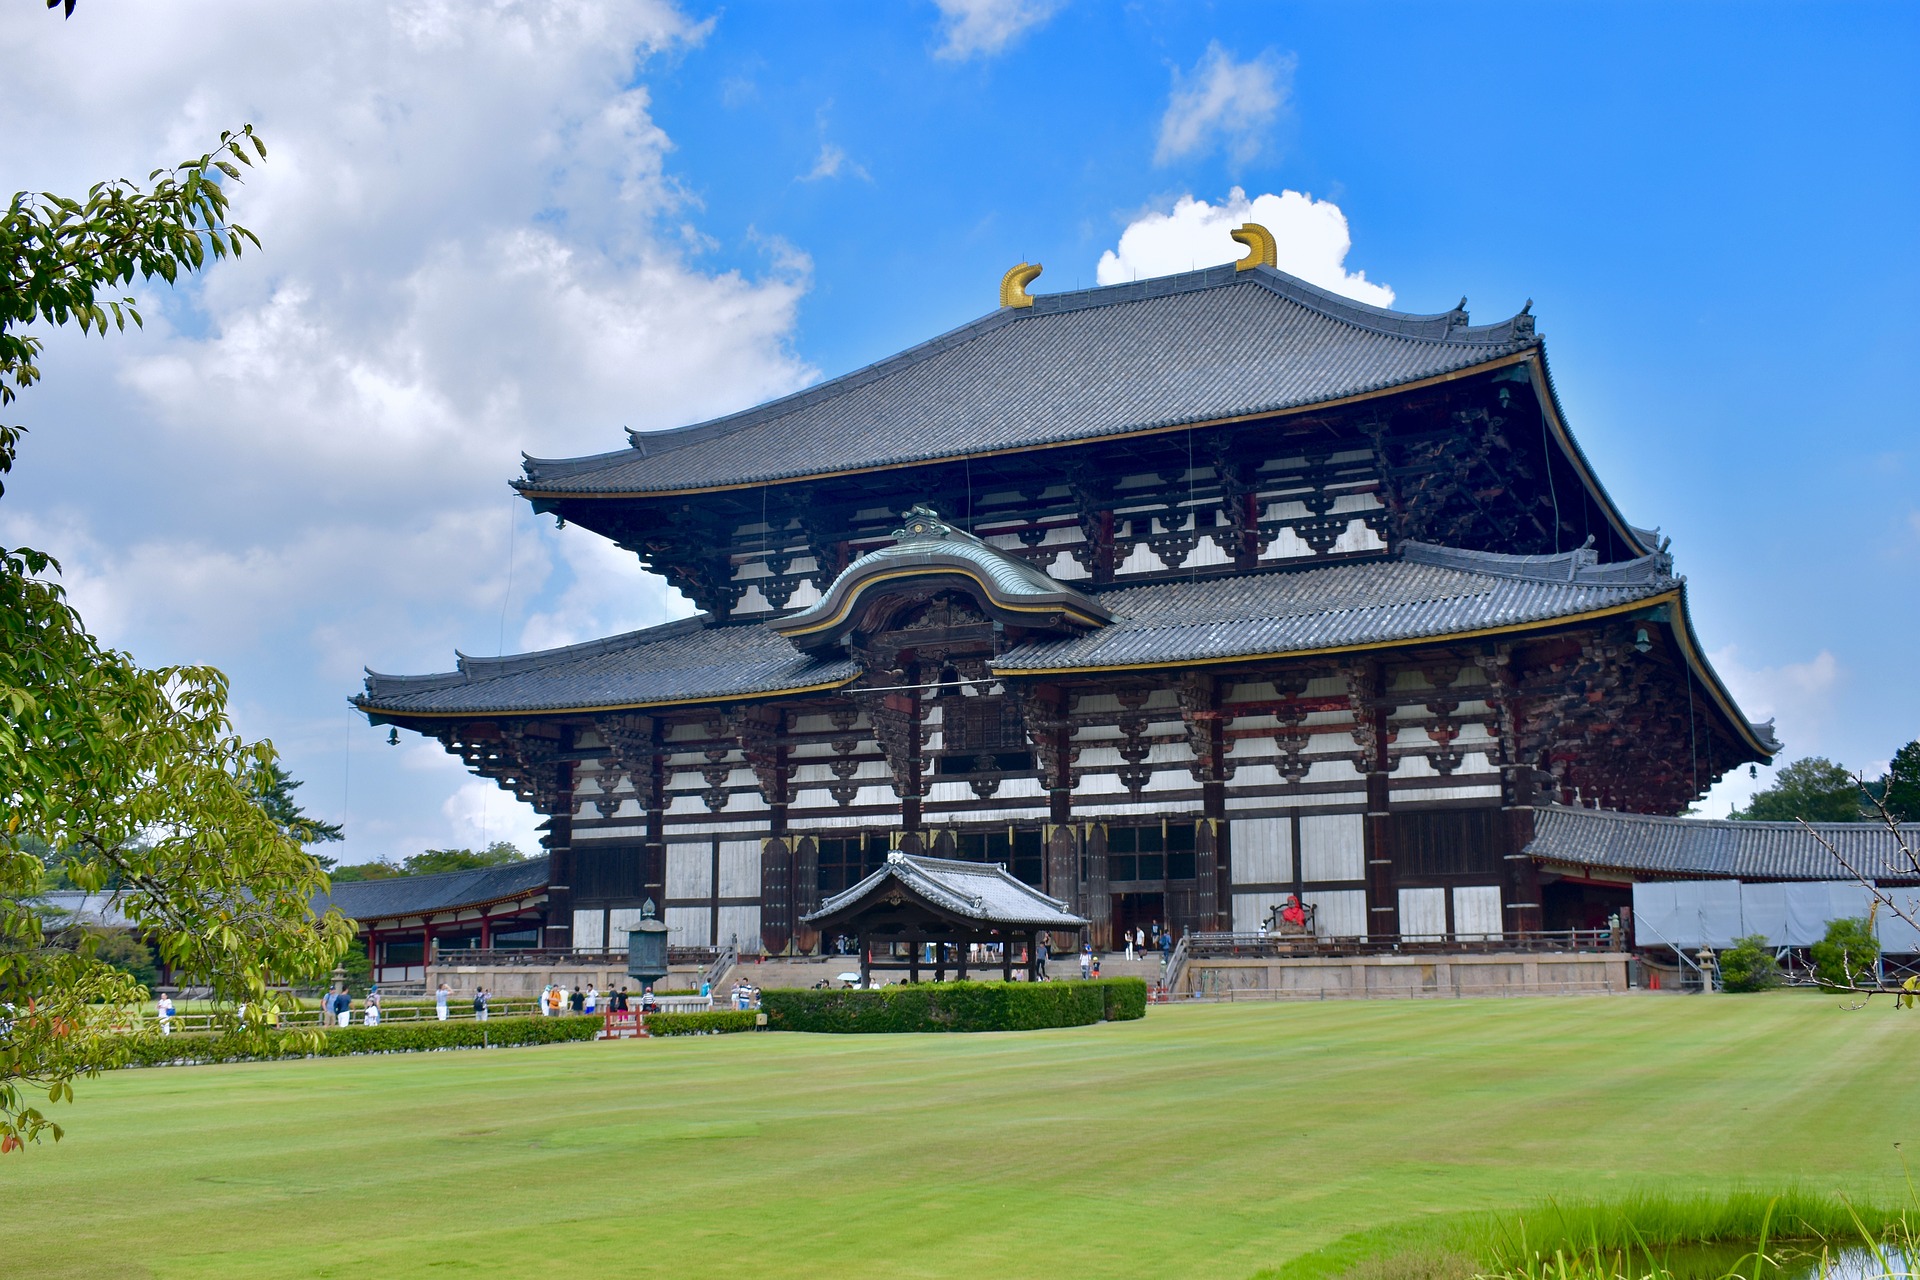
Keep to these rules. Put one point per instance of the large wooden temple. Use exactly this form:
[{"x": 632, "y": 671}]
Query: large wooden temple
[{"x": 1173, "y": 597}]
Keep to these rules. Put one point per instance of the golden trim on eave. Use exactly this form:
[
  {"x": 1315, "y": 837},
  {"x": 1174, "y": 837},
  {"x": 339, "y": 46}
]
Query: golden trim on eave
[{"x": 1499, "y": 362}]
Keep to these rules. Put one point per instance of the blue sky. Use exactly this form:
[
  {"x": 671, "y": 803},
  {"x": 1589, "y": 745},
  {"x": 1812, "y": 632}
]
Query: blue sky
[{"x": 494, "y": 228}]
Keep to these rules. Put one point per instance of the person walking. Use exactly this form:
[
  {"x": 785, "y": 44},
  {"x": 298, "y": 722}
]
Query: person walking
[
  {"x": 343, "y": 1008},
  {"x": 546, "y": 995},
  {"x": 1086, "y": 961},
  {"x": 1166, "y": 946},
  {"x": 1140, "y": 940},
  {"x": 479, "y": 1004},
  {"x": 163, "y": 1010},
  {"x": 593, "y": 1000},
  {"x": 1126, "y": 936},
  {"x": 373, "y": 1007},
  {"x": 440, "y": 1000}
]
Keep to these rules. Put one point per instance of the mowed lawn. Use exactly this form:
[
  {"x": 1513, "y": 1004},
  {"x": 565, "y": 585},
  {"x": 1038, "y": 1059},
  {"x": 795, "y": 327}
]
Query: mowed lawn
[{"x": 1204, "y": 1141}]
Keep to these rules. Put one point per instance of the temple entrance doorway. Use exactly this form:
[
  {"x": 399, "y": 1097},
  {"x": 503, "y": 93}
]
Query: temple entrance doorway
[{"x": 1137, "y": 910}]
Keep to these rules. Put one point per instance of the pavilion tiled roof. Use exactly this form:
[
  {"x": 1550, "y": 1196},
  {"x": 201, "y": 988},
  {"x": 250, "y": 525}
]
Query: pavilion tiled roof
[
  {"x": 443, "y": 891},
  {"x": 1206, "y": 346},
  {"x": 982, "y": 891},
  {"x": 1705, "y": 848}
]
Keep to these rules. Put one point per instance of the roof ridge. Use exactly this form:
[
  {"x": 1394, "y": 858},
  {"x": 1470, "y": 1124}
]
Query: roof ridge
[
  {"x": 1735, "y": 825},
  {"x": 1445, "y": 327},
  {"x": 1581, "y": 565}
]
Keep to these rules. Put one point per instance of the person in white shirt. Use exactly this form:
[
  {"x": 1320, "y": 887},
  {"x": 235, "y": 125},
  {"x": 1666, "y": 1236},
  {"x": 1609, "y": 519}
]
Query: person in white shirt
[
  {"x": 440, "y": 1000},
  {"x": 593, "y": 999},
  {"x": 163, "y": 1009}
]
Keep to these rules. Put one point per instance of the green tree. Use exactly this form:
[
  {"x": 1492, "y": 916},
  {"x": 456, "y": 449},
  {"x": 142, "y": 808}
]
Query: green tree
[
  {"x": 1847, "y": 954},
  {"x": 275, "y": 795},
  {"x": 363, "y": 871},
  {"x": 497, "y": 854},
  {"x": 1902, "y": 784},
  {"x": 136, "y": 777},
  {"x": 1815, "y": 789},
  {"x": 1748, "y": 965}
]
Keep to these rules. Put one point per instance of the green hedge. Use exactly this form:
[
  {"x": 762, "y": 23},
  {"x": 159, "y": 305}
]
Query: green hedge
[
  {"x": 399, "y": 1037},
  {"x": 718, "y": 1022},
  {"x": 957, "y": 1006}
]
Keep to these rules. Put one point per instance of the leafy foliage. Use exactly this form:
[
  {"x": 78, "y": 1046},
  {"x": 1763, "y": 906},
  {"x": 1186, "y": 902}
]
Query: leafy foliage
[
  {"x": 497, "y": 854},
  {"x": 957, "y": 1006},
  {"x": 1815, "y": 789},
  {"x": 1902, "y": 784},
  {"x": 1847, "y": 954},
  {"x": 274, "y": 793},
  {"x": 398, "y": 1037},
  {"x": 710, "y": 1022},
  {"x": 1748, "y": 965},
  {"x": 135, "y": 777}
]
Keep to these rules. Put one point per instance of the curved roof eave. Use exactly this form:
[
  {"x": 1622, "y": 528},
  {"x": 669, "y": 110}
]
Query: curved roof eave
[{"x": 1549, "y": 399}]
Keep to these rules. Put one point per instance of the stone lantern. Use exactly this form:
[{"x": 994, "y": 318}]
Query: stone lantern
[{"x": 647, "y": 948}]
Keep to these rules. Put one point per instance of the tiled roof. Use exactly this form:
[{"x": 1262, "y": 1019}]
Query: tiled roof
[
  {"x": 1427, "y": 591},
  {"x": 366, "y": 900},
  {"x": 982, "y": 891},
  {"x": 1694, "y": 847},
  {"x": 685, "y": 661},
  {"x": 1200, "y": 347}
]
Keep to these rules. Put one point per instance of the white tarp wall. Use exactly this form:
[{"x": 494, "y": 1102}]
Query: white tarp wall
[{"x": 1690, "y": 914}]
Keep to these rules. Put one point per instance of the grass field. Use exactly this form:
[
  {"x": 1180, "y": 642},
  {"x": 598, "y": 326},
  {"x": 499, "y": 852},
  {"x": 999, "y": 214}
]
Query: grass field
[{"x": 1204, "y": 1141}]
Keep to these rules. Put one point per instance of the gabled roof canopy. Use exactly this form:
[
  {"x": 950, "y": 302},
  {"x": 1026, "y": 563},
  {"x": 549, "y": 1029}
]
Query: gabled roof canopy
[
  {"x": 980, "y": 896},
  {"x": 930, "y": 553},
  {"x": 1642, "y": 844}
]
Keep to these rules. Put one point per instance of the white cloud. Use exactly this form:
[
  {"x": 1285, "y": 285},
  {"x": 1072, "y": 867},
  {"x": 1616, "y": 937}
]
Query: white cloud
[
  {"x": 1312, "y": 237},
  {"x": 832, "y": 163},
  {"x": 473, "y": 245},
  {"x": 985, "y": 27},
  {"x": 1222, "y": 102},
  {"x": 480, "y": 813},
  {"x": 1799, "y": 697}
]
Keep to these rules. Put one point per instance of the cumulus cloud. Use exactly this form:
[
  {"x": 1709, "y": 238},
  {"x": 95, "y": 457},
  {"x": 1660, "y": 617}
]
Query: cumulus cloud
[
  {"x": 1312, "y": 236},
  {"x": 1799, "y": 697},
  {"x": 479, "y": 814},
  {"x": 474, "y": 245},
  {"x": 976, "y": 28},
  {"x": 1225, "y": 103}
]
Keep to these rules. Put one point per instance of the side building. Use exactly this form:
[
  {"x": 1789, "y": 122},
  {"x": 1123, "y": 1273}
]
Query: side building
[{"x": 1208, "y": 589}]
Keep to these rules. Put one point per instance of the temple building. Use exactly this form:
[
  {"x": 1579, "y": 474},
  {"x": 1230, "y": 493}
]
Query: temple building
[{"x": 1173, "y": 597}]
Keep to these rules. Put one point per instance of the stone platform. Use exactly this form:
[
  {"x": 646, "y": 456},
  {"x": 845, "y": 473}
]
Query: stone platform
[{"x": 1409, "y": 977}]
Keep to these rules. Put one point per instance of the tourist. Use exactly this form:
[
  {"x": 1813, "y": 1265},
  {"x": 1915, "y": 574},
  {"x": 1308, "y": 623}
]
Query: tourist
[
  {"x": 1166, "y": 946},
  {"x": 1086, "y": 961},
  {"x": 1096, "y": 966},
  {"x": 577, "y": 1002},
  {"x": 560, "y": 998},
  {"x": 343, "y": 1008},
  {"x": 545, "y": 1003},
  {"x": 1140, "y": 940},
  {"x": 647, "y": 1002},
  {"x": 1039, "y": 970},
  {"x": 1126, "y": 936},
  {"x": 479, "y": 1004},
  {"x": 373, "y": 1007},
  {"x": 440, "y": 1000},
  {"x": 593, "y": 999},
  {"x": 163, "y": 1009}
]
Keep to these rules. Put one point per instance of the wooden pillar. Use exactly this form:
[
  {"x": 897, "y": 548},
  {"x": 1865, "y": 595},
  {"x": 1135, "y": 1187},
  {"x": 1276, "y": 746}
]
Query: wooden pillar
[
  {"x": 866, "y": 958},
  {"x": 1521, "y": 882},
  {"x": 913, "y": 959},
  {"x": 558, "y": 840},
  {"x": 1099, "y": 903},
  {"x": 1006, "y": 958},
  {"x": 1366, "y": 684},
  {"x": 1208, "y": 908},
  {"x": 486, "y": 931},
  {"x": 653, "y": 867}
]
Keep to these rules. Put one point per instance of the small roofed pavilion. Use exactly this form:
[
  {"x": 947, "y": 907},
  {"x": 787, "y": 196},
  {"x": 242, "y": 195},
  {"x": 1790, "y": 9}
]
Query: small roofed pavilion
[{"x": 914, "y": 901}]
